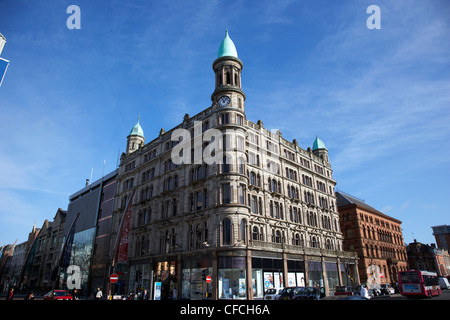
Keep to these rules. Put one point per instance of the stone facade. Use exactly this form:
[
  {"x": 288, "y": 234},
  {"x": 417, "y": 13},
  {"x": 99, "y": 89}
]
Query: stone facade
[
  {"x": 46, "y": 257},
  {"x": 262, "y": 214}
]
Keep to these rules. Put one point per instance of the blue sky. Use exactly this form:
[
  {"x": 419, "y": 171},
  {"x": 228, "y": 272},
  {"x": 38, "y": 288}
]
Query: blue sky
[{"x": 379, "y": 99}]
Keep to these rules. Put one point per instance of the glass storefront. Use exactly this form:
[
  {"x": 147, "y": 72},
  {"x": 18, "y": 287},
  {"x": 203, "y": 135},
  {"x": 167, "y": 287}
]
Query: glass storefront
[
  {"x": 194, "y": 285},
  {"x": 296, "y": 273},
  {"x": 232, "y": 280},
  {"x": 332, "y": 276},
  {"x": 257, "y": 283},
  {"x": 266, "y": 273},
  {"x": 348, "y": 274},
  {"x": 165, "y": 272},
  {"x": 195, "y": 270},
  {"x": 315, "y": 274},
  {"x": 140, "y": 280}
]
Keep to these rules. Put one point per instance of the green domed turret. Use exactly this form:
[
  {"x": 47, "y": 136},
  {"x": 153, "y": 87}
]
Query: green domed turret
[
  {"x": 318, "y": 144},
  {"x": 227, "y": 48}
]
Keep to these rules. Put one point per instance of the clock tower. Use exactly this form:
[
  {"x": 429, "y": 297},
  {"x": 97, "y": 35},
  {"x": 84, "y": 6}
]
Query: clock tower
[{"x": 227, "y": 68}]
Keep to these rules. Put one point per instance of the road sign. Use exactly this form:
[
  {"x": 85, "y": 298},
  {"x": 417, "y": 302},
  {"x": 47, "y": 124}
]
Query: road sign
[
  {"x": 113, "y": 278},
  {"x": 208, "y": 279}
]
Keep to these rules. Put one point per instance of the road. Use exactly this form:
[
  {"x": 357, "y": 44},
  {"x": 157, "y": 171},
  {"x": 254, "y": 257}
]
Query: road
[{"x": 444, "y": 296}]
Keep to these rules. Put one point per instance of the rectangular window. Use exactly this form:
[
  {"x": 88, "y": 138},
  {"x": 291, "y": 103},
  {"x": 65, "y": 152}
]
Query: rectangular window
[
  {"x": 242, "y": 194},
  {"x": 205, "y": 193},
  {"x": 253, "y": 204},
  {"x": 199, "y": 202},
  {"x": 226, "y": 193}
]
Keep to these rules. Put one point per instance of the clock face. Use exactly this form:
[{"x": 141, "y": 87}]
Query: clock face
[{"x": 224, "y": 101}]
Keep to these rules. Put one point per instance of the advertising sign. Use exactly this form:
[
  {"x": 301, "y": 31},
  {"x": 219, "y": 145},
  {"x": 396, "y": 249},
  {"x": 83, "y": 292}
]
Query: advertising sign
[
  {"x": 157, "y": 291},
  {"x": 122, "y": 255}
]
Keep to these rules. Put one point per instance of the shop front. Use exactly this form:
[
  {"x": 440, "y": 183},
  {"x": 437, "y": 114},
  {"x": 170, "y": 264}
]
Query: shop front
[
  {"x": 296, "y": 273},
  {"x": 267, "y": 273},
  {"x": 349, "y": 273},
  {"x": 232, "y": 277},
  {"x": 141, "y": 280},
  {"x": 332, "y": 276},
  {"x": 165, "y": 280},
  {"x": 195, "y": 271}
]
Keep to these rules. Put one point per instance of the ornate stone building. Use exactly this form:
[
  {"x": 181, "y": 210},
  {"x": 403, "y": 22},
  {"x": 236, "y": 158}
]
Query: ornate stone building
[
  {"x": 376, "y": 237},
  {"x": 223, "y": 199}
]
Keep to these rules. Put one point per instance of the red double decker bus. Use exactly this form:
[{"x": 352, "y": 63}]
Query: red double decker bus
[{"x": 415, "y": 283}]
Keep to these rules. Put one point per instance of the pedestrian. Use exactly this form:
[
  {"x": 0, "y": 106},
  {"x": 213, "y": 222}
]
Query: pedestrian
[
  {"x": 364, "y": 292},
  {"x": 75, "y": 294},
  {"x": 30, "y": 296},
  {"x": 145, "y": 295},
  {"x": 99, "y": 294},
  {"x": 10, "y": 294}
]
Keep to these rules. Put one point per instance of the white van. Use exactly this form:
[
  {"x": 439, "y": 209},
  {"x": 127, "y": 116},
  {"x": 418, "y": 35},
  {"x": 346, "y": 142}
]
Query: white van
[{"x": 443, "y": 283}]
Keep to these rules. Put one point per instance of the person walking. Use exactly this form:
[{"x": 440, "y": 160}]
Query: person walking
[
  {"x": 10, "y": 294},
  {"x": 99, "y": 294},
  {"x": 30, "y": 296},
  {"x": 364, "y": 292}
]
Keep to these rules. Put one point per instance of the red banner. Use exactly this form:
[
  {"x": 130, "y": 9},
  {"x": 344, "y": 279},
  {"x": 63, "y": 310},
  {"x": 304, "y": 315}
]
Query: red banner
[{"x": 122, "y": 253}]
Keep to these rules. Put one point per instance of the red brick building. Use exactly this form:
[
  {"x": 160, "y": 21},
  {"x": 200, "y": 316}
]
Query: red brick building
[{"x": 376, "y": 238}]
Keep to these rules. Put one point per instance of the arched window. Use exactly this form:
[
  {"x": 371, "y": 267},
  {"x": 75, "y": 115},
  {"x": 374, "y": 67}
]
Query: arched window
[
  {"x": 255, "y": 233},
  {"x": 241, "y": 165},
  {"x": 252, "y": 178},
  {"x": 274, "y": 185},
  {"x": 278, "y": 236},
  {"x": 313, "y": 242},
  {"x": 297, "y": 239},
  {"x": 226, "y": 231}
]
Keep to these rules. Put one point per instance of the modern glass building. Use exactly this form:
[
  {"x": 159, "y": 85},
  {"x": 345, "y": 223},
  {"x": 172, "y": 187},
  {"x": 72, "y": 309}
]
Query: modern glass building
[{"x": 89, "y": 222}]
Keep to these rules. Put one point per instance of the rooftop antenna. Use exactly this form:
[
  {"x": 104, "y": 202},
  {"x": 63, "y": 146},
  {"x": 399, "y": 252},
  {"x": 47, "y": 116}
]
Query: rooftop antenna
[
  {"x": 92, "y": 171},
  {"x": 103, "y": 170}
]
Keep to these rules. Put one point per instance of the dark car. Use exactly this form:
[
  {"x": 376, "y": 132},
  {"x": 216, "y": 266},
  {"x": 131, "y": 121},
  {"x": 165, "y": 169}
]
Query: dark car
[
  {"x": 343, "y": 291},
  {"x": 353, "y": 298},
  {"x": 300, "y": 293},
  {"x": 58, "y": 295}
]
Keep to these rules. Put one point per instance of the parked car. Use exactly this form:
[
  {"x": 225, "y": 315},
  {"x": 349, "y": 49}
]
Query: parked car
[
  {"x": 355, "y": 297},
  {"x": 443, "y": 283},
  {"x": 344, "y": 291},
  {"x": 58, "y": 295},
  {"x": 300, "y": 293},
  {"x": 386, "y": 289},
  {"x": 273, "y": 294}
]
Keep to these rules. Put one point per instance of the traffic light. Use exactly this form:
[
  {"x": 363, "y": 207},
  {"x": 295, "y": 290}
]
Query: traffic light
[{"x": 138, "y": 275}]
